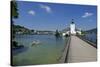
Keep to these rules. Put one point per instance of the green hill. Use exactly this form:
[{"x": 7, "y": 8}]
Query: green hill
[
  {"x": 21, "y": 29},
  {"x": 94, "y": 30}
]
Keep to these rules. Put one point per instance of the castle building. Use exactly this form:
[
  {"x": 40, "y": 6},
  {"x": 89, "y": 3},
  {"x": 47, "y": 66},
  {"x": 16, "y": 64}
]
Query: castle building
[{"x": 72, "y": 28}]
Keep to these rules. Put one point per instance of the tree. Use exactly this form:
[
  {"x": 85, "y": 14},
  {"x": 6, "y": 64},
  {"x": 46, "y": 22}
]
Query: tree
[
  {"x": 57, "y": 34},
  {"x": 14, "y": 9},
  {"x": 14, "y": 14}
]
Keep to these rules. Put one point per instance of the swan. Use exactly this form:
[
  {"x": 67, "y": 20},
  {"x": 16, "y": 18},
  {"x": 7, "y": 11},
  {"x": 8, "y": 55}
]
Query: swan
[{"x": 35, "y": 42}]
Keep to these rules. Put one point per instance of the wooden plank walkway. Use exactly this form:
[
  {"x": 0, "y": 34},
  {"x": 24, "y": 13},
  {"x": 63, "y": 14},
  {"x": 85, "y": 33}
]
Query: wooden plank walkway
[{"x": 80, "y": 51}]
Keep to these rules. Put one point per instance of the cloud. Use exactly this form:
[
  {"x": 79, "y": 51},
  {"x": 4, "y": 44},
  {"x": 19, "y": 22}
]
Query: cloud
[
  {"x": 87, "y": 14},
  {"x": 45, "y": 7},
  {"x": 31, "y": 12}
]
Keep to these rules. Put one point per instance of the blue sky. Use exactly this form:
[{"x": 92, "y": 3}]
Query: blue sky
[{"x": 47, "y": 16}]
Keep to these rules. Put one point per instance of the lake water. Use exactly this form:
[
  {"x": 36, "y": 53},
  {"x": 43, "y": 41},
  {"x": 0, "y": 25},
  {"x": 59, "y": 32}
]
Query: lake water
[
  {"x": 48, "y": 51},
  {"x": 91, "y": 37}
]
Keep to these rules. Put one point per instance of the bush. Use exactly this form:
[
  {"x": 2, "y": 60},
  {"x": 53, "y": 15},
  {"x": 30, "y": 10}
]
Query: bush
[{"x": 14, "y": 44}]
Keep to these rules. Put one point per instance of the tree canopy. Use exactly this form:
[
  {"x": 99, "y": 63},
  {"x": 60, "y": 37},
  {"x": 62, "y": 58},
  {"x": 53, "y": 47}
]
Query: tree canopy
[{"x": 14, "y": 9}]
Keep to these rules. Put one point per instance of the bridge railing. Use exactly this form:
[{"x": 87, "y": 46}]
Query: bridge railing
[{"x": 88, "y": 40}]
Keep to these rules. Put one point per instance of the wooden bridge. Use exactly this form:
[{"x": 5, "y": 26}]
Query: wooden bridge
[{"x": 78, "y": 50}]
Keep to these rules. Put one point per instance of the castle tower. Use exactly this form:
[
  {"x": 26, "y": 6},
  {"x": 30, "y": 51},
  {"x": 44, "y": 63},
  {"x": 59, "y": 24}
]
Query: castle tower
[{"x": 72, "y": 28}]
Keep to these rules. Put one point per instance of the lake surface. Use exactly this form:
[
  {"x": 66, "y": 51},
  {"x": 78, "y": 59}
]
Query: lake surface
[
  {"x": 91, "y": 37},
  {"x": 48, "y": 51}
]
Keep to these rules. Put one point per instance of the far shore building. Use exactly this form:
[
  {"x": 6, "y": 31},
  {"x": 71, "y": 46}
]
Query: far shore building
[{"x": 72, "y": 30}]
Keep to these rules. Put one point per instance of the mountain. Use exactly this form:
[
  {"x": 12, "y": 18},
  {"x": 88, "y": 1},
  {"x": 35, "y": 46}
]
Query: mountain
[{"x": 94, "y": 30}]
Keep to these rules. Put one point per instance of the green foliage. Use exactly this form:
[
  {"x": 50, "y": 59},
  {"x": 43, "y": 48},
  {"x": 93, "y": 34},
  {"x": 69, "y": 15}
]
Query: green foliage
[
  {"x": 14, "y": 14},
  {"x": 23, "y": 30},
  {"x": 32, "y": 30},
  {"x": 14, "y": 44},
  {"x": 14, "y": 9},
  {"x": 66, "y": 35},
  {"x": 57, "y": 34},
  {"x": 83, "y": 32}
]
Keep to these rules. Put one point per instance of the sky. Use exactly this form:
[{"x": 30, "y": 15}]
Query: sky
[{"x": 52, "y": 16}]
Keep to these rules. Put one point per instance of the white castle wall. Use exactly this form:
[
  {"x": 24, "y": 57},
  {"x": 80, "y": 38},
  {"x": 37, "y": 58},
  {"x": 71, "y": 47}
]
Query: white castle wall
[{"x": 72, "y": 29}]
